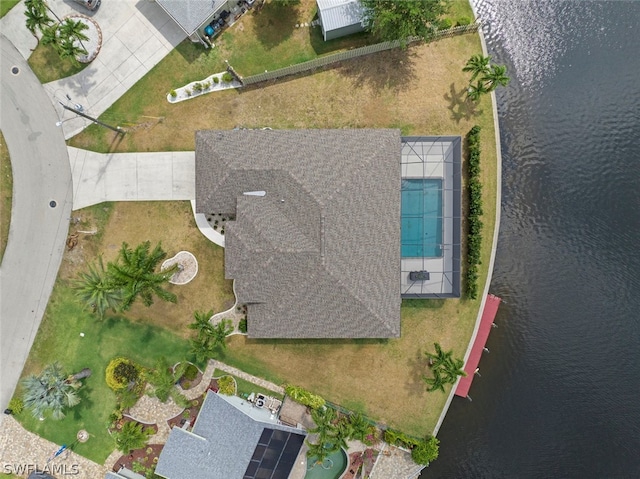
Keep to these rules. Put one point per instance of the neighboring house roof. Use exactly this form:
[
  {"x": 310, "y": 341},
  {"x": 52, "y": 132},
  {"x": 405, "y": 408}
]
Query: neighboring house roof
[
  {"x": 190, "y": 14},
  {"x": 336, "y": 14},
  {"x": 318, "y": 256},
  {"x": 226, "y": 443}
]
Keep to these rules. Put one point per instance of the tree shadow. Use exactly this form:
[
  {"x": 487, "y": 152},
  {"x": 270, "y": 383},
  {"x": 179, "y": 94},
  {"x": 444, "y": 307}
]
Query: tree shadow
[
  {"x": 459, "y": 105},
  {"x": 416, "y": 366},
  {"x": 275, "y": 23},
  {"x": 320, "y": 46},
  {"x": 389, "y": 69},
  {"x": 86, "y": 403}
]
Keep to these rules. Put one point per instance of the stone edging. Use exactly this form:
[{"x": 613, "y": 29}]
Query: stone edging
[
  {"x": 176, "y": 260},
  {"x": 181, "y": 93}
]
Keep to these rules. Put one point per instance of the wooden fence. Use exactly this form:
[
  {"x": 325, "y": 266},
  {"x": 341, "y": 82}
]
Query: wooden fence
[{"x": 349, "y": 54}]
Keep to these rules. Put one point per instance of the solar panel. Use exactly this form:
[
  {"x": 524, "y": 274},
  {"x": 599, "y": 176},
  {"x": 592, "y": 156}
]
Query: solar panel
[{"x": 274, "y": 455}]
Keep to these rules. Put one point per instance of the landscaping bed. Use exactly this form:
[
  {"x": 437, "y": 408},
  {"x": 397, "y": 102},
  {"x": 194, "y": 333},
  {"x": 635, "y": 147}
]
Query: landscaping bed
[
  {"x": 189, "y": 414},
  {"x": 146, "y": 457}
]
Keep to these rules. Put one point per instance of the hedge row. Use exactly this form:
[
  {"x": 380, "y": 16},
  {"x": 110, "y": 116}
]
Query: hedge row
[
  {"x": 303, "y": 396},
  {"x": 474, "y": 238}
]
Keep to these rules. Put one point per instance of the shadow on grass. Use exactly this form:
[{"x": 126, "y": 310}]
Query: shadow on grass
[
  {"x": 317, "y": 342},
  {"x": 408, "y": 304},
  {"x": 389, "y": 69},
  {"x": 85, "y": 406},
  {"x": 321, "y": 47},
  {"x": 416, "y": 365},
  {"x": 275, "y": 23},
  {"x": 459, "y": 105}
]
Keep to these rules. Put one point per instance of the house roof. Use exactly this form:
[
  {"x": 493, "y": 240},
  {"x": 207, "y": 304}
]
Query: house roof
[
  {"x": 227, "y": 443},
  {"x": 336, "y": 14},
  {"x": 318, "y": 256},
  {"x": 190, "y": 14}
]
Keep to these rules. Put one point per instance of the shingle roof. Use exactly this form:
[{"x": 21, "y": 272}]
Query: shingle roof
[
  {"x": 336, "y": 14},
  {"x": 220, "y": 446},
  {"x": 319, "y": 255},
  {"x": 190, "y": 14}
]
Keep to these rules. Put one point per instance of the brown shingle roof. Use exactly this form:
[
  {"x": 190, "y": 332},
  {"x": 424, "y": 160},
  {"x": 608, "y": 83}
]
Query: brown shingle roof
[{"x": 319, "y": 255}]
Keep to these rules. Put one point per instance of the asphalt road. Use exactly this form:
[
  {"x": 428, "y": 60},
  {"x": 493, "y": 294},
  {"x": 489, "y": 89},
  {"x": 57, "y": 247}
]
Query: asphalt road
[{"x": 41, "y": 174}]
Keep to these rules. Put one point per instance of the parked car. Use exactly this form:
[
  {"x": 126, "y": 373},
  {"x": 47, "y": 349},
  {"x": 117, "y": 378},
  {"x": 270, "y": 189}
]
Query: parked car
[{"x": 89, "y": 4}]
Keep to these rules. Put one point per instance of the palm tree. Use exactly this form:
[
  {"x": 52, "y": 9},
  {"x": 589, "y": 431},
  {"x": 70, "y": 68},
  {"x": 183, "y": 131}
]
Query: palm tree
[
  {"x": 164, "y": 378},
  {"x": 202, "y": 349},
  {"x": 202, "y": 324},
  {"x": 70, "y": 33},
  {"x": 131, "y": 436},
  {"x": 136, "y": 275},
  {"x": 474, "y": 92},
  {"x": 359, "y": 426},
  {"x": 438, "y": 358},
  {"x": 50, "y": 392},
  {"x": 436, "y": 382},
  {"x": 496, "y": 76},
  {"x": 317, "y": 451},
  {"x": 452, "y": 369},
  {"x": 37, "y": 18},
  {"x": 97, "y": 290},
  {"x": 220, "y": 332},
  {"x": 478, "y": 65}
]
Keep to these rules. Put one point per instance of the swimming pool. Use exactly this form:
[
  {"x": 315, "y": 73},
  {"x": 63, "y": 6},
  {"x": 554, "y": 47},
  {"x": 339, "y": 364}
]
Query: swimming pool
[
  {"x": 421, "y": 211},
  {"x": 332, "y": 468}
]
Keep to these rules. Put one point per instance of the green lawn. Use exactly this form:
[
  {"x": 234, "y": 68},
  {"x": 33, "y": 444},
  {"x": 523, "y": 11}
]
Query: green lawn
[
  {"x": 6, "y": 194},
  {"x": 59, "y": 339},
  {"x": 5, "y": 6},
  {"x": 48, "y": 66}
]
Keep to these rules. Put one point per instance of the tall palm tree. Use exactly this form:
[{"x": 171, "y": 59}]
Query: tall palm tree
[
  {"x": 474, "y": 92},
  {"x": 202, "y": 349},
  {"x": 220, "y": 332},
  {"x": 452, "y": 369},
  {"x": 478, "y": 65},
  {"x": 50, "y": 392},
  {"x": 496, "y": 76},
  {"x": 70, "y": 36},
  {"x": 201, "y": 323},
  {"x": 131, "y": 436},
  {"x": 436, "y": 382},
  {"x": 438, "y": 358},
  {"x": 37, "y": 17},
  {"x": 359, "y": 426},
  {"x": 97, "y": 290},
  {"x": 136, "y": 276}
]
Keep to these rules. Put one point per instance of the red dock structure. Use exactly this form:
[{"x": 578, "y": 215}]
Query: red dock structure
[{"x": 488, "y": 315}]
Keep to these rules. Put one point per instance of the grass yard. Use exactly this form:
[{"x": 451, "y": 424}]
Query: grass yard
[
  {"x": 6, "y": 195},
  {"x": 48, "y": 66},
  {"x": 59, "y": 339},
  {"x": 5, "y": 6},
  {"x": 419, "y": 90}
]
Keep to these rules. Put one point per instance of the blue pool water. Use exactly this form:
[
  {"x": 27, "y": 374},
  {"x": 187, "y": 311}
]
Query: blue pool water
[{"x": 421, "y": 210}]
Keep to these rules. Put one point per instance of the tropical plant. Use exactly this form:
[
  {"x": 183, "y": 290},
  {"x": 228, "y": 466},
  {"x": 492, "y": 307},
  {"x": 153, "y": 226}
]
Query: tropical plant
[
  {"x": 478, "y": 65},
  {"x": 227, "y": 77},
  {"x": 16, "y": 405},
  {"x": 475, "y": 91},
  {"x": 227, "y": 386},
  {"x": 134, "y": 273},
  {"x": 163, "y": 378},
  {"x": 201, "y": 323},
  {"x": 304, "y": 397},
  {"x": 50, "y": 392},
  {"x": 426, "y": 451},
  {"x": 122, "y": 373},
  {"x": 70, "y": 34},
  {"x": 359, "y": 426},
  {"x": 201, "y": 349},
  {"x": 242, "y": 325},
  {"x": 496, "y": 76},
  {"x": 436, "y": 382},
  {"x": 131, "y": 436},
  {"x": 37, "y": 17},
  {"x": 403, "y": 19},
  {"x": 445, "y": 368},
  {"x": 220, "y": 332},
  {"x": 96, "y": 289}
]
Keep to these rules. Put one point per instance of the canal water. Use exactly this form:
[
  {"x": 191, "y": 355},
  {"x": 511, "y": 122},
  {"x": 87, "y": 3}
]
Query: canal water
[{"x": 559, "y": 395}]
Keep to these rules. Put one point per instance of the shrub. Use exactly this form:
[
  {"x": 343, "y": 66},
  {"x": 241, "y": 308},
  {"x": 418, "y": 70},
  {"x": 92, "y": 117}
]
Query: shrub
[
  {"x": 206, "y": 85},
  {"x": 445, "y": 24},
  {"x": 197, "y": 87},
  {"x": 305, "y": 397},
  {"x": 173, "y": 94},
  {"x": 397, "y": 438},
  {"x": 227, "y": 386},
  {"x": 227, "y": 77},
  {"x": 426, "y": 451},
  {"x": 216, "y": 80},
  {"x": 242, "y": 325},
  {"x": 190, "y": 373},
  {"x": 474, "y": 235},
  {"x": 121, "y": 372},
  {"x": 16, "y": 405},
  {"x": 463, "y": 21},
  {"x": 188, "y": 92}
]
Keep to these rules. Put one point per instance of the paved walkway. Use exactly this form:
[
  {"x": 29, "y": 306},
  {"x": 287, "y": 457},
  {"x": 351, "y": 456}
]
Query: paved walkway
[
  {"x": 99, "y": 177},
  {"x": 248, "y": 377},
  {"x": 396, "y": 463},
  {"x": 136, "y": 35},
  {"x": 21, "y": 448}
]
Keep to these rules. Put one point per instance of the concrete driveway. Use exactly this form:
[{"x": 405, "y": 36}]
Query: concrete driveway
[{"x": 136, "y": 35}]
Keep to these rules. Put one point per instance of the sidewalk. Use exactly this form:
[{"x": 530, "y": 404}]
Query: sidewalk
[{"x": 136, "y": 35}]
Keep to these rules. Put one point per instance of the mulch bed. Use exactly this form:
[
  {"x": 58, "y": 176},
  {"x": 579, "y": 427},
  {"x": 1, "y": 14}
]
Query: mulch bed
[
  {"x": 146, "y": 456},
  {"x": 191, "y": 383},
  {"x": 180, "y": 419},
  {"x": 356, "y": 461}
]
